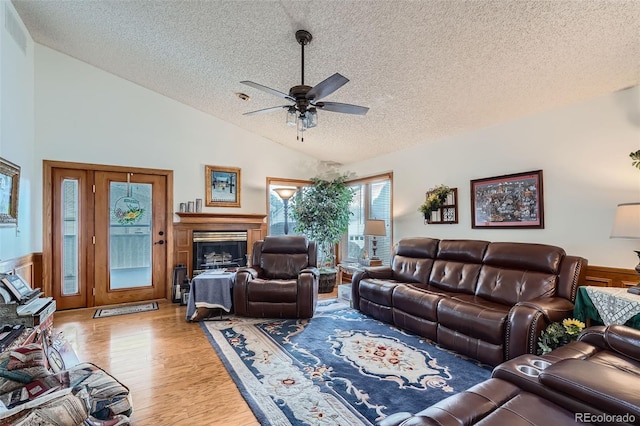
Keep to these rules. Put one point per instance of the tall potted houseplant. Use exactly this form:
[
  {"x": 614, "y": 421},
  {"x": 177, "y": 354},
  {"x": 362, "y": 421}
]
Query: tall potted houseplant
[{"x": 321, "y": 212}]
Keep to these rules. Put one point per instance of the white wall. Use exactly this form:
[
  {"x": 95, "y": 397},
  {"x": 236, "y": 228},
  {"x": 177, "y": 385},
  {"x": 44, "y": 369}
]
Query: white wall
[
  {"x": 83, "y": 114},
  {"x": 583, "y": 151},
  {"x": 87, "y": 115},
  {"x": 16, "y": 131}
]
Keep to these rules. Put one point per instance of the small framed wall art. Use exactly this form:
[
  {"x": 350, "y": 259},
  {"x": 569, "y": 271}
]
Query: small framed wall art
[
  {"x": 509, "y": 201},
  {"x": 222, "y": 186},
  {"x": 9, "y": 190}
]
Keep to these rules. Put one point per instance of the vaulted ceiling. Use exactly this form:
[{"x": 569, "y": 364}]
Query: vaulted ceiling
[{"x": 428, "y": 70}]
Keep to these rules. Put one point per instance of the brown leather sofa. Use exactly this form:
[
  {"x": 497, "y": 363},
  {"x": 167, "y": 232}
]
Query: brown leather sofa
[
  {"x": 594, "y": 380},
  {"x": 487, "y": 300},
  {"x": 282, "y": 281}
]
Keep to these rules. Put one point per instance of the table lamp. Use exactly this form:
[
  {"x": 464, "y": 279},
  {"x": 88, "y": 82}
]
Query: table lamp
[
  {"x": 627, "y": 225},
  {"x": 285, "y": 195},
  {"x": 375, "y": 227}
]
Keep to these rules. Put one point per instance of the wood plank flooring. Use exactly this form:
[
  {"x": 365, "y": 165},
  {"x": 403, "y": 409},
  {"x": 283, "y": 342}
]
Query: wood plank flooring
[{"x": 174, "y": 375}]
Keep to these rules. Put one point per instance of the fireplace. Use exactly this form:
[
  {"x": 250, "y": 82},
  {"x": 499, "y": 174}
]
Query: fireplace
[
  {"x": 255, "y": 226},
  {"x": 218, "y": 249}
]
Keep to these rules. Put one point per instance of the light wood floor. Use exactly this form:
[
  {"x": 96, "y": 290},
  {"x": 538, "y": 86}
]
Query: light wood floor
[{"x": 174, "y": 375}]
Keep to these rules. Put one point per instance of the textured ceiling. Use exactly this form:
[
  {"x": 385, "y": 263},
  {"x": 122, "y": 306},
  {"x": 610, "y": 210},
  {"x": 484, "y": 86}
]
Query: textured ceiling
[{"x": 427, "y": 69}]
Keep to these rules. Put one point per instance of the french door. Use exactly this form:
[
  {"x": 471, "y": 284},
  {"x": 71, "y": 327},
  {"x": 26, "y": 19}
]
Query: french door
[
  {"x": 130, "y": 237},
  {"x": 109, "y": 233}
]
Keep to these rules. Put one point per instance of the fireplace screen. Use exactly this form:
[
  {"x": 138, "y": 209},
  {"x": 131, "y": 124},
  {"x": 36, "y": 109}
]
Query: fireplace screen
[{"x": 219, "y": 249}]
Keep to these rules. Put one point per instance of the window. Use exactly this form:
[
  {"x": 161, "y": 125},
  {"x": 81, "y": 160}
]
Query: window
[
  {"x": 276, "y": 205},
  {"x": 372, "y": 200}
]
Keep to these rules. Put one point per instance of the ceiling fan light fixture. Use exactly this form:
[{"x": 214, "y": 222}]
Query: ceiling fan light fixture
[
  {"x": 311, "y": 118},
  {"x": 292, "y": 116},
  {"x": 303, "y": 112}
]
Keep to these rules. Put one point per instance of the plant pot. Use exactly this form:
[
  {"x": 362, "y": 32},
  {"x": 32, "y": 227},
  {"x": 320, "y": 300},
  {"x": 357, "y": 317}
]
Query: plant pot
[{"x": 327, "y": 281}]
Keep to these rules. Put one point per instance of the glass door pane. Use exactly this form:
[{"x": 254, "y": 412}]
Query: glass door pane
[
  {"x": 70, "y": 221},
  {"x": 130, "y": 245}
]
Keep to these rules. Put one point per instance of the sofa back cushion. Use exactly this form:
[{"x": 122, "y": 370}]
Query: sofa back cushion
[
  {"x": 515, "y": 272},
  {"x": 282, "y": 257},
  {"x": 417, "y": 247},
  {"x": 413, "y": 258},
  {"x": 458, "y": 264},
  {"x": 510, "y": 286},
  {"x": 525, "y": 256}
]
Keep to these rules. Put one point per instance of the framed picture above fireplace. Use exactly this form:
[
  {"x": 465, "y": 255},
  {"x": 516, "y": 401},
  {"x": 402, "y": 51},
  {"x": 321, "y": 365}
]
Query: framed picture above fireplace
[{"x": 222, "y": 186}]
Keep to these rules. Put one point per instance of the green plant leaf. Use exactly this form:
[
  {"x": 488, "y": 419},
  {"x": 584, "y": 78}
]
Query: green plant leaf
[{"x": 321, "y": 212}]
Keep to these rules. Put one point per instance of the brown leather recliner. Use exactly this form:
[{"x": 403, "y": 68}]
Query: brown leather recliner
[{"x": 282, "y": 281}]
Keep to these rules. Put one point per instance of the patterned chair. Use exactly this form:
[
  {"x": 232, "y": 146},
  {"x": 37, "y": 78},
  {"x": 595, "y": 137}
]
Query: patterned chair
[{"x": 282, "y": 281}]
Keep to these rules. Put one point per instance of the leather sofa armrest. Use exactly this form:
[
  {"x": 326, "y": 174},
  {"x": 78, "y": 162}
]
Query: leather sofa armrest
[
  {"x": 553, "y": 308},
  {"x": 253, "y": 272},
  {"x": 594, "y": 335},
  {"x": 243, "y": 277},
  {"x": 314, "y": 271},
  {"x": 407, "y": 419},
  {"x": 307, "y": 296},
  {"x": 614, "y": 391},
  {"x": 618, "y": 338},
  {"x": 381, "y": 272},
  {"x": 395, "y": 419},
  {"x": 526, "y": 321},
  {"x": 624, "y": 340}
]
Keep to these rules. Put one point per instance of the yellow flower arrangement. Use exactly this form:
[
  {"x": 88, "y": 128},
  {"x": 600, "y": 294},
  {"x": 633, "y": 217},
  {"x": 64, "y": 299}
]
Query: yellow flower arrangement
[{"x": 558, "y": 334}]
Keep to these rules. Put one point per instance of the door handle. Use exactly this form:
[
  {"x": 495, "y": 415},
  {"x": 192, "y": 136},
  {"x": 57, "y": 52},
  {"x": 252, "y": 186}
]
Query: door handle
[{"x": 161, "y": 242}]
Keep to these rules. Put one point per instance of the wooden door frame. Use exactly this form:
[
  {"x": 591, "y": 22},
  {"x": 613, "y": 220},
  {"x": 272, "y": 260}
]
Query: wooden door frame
[{"x": 47, "y": 218}]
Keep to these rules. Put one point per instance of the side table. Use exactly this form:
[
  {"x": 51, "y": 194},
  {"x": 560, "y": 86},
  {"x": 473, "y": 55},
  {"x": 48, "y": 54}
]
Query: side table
[
  {"x": 210, "y": 290},
  {"x": 607, "y": 305},
  {"x": 346, "y": 271}
]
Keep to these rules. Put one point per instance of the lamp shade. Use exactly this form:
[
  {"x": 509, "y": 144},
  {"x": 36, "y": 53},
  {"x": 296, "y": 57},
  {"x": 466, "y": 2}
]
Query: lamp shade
[
  {"x": 285, "y": 193},
  {"x": 627, "y": 221},
  {"x": 375, "y": 227}
]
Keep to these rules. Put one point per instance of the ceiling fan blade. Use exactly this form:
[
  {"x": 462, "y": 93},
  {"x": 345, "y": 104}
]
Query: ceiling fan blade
[
  {"x": 327, "y": 87},
  {"x": 262, "y": 111},
  {"x": 268, "y": 90},
  {"x": 343, "y": 108}
]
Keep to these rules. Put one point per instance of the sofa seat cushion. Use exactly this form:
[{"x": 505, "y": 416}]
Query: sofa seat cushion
[
  {"x": 615, "y": 360},
  {"x": 492, "y": 402},
  {"x": 601, "y": 386},
  {"x": 378, "y": 291},
  {"x": 276, "y": 291},
  {"x": 528, "y": 409},
  {"x": 470, "y": 406},
  {"x": 419, "y": 300},
  {"x": 474, "y": 317}
]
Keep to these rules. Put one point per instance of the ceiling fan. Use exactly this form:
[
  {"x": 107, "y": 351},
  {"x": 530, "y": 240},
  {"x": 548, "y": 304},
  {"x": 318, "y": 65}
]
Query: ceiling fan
[{"x": 303, "y": 111}]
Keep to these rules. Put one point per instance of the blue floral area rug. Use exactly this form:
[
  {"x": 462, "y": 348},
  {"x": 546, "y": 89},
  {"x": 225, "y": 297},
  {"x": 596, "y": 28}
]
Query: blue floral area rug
[{"x": 338, "y": 368}]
